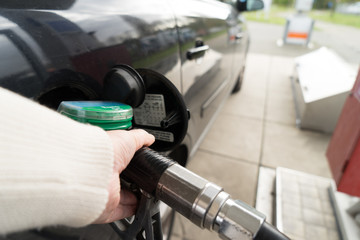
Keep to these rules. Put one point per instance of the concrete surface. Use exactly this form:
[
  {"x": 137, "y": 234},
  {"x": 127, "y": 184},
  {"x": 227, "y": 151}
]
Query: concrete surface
[
  {"x": 303, "y": 206},
  {"x": 257, "y": 128}
]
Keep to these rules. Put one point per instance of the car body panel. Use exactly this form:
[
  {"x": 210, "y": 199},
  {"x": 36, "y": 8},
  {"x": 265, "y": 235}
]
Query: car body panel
[{"x": 89, "y": 41}]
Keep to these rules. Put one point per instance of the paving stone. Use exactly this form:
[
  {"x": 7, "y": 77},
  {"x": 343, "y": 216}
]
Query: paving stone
[
  {"x": 294, "y": 237},
  {"x": 238, "y": 178},
  {"x": 289, "y": 197},
  {"x": 323, "y": 192},
  {"x": 330, "y": 221},
  {"x": 311, "y": 203},
  {"x": 333, "y": 235},
  {"x": 327, "y": 207},
  {"x": 309, "y": 191},
  {"x": 313, "y": 217},
  {"x": 287, "y": 146},
  {"x": 291, "y": 211},
  {"x": 235, "y": 136},
  {"x": 291, "y": 187},
  {"x": 315, "y": 232},
  {"x": 295, "y": 227}
]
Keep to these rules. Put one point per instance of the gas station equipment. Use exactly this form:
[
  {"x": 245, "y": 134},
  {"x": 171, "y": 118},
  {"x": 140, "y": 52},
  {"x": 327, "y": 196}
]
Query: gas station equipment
[
  {"x": 299, "y": 27},
  {"x": 321, "y": 83},
  {"x": 344, "y": 149},
  {"x": 343, "y": 155}
]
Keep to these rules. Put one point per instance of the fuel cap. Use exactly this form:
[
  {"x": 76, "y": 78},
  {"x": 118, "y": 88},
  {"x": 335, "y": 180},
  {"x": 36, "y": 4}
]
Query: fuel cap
[
  {"x": 107, "y": 115},
  {"x": 124, "y": 84}
]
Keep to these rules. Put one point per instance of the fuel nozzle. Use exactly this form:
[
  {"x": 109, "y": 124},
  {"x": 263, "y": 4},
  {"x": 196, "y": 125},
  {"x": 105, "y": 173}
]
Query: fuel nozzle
[
  {"x": 202, "y": 202},
  {"x": 237, "y": 220},
  {"x": 208, "y": 206}
]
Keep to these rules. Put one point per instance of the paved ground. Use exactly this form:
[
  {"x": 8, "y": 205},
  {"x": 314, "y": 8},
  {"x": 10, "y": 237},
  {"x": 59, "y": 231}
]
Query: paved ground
[{"x": 257, "y": 128}]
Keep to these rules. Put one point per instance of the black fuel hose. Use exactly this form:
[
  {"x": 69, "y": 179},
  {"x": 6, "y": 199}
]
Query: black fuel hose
[
  {"x": 269, "y": 232},
  {"x": 146, "y": 168}
]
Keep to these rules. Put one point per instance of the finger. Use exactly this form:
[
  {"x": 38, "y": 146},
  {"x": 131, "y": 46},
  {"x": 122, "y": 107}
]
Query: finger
[
  {"x": 119, "y": 213},
  {"x": 142, "y": 138},
  {"x": 124, "y": 211},
  {"x": 127, "y": 198},
  {"x": 126, "y": 143},
  {"x": 126, "y": 208}
]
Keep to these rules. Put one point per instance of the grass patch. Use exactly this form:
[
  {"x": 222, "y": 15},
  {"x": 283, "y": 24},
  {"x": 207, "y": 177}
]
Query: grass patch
[
  {"x": 278, "y": 14},
  {"x": 336, "y": 18}
]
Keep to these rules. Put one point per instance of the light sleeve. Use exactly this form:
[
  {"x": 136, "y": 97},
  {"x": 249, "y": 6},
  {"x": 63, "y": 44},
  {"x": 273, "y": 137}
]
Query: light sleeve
[{"x": 53, "y": 170}]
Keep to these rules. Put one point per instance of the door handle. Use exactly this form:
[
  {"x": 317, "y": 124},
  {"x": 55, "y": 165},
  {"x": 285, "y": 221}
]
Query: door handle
[{"x": 196, "y": 52}]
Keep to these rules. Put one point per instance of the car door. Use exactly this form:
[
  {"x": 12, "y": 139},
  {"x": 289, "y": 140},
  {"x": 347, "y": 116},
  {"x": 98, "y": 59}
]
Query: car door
[
  {"x": 241, "y": 41},
  {"x": 239, "y": 37},
  {"x": 206, "y": 52}
]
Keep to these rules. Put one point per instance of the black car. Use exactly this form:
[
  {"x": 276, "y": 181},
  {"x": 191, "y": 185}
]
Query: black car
[{"x": 53, "y": 51}]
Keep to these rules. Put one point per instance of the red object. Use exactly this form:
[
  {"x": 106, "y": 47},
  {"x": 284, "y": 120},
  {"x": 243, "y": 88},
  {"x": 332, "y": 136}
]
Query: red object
[
  {"x": 343, "y": 152},
  {"x": 297, "y": 35}
]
